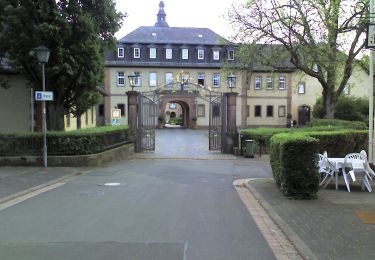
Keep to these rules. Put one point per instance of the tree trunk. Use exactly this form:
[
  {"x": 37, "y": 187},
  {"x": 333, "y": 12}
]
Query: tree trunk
[
  {"x": 55, "y": 117},
  {"x": 79, "y": 122},
  {"x": 329, "y": 104}
]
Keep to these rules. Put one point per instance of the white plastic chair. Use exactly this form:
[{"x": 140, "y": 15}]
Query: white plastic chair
[
  {"x": 326, "y": 170},
  {"x": 358, "y": 164}
]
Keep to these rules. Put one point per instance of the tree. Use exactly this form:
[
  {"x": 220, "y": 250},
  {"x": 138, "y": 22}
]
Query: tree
[
  {"x": 76, "y": 32},
  {"x": 322, "y": 38},
  {"x": 348, "y": 108}
]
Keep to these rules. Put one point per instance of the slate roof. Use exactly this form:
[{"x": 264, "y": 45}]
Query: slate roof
[{"x": 174, "y": 35}]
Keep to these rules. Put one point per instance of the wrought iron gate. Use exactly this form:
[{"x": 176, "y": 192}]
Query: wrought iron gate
[
  {"x": 147, "y": 119},
  {"x": 217, "y": 121}
]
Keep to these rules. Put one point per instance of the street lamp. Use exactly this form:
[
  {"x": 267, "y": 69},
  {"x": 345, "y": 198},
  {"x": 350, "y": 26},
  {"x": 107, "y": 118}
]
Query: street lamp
[
  {"x": 132, "y": 79},
  {"x": 231, "y": 81},
  {"x": 42, "y": 54}
]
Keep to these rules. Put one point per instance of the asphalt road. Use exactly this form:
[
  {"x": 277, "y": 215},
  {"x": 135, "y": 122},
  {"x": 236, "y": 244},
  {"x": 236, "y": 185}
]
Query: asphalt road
[{"x": 159, "y": 209}]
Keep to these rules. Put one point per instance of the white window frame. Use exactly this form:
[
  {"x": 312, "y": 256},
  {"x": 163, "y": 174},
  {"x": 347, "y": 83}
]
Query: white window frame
[
  {"x": 216, "y": 55},
  {"x": 282, "y": 82},
  {"x": 185, "y": 54},
  {"x": 120, "y": 52},
  {"x": 230, "y": 54},
  {"x": 216, "y": 80},
  {"x": 153, "y": 79},
  {"x": 269, "y": 83},
  {"x": 168, "y": 54},
  {"x": 301, "y": 87},
  {"x": 137, "y": 53},
  {"x": 258, "y": 82},
  {"x": 201, "y": 76},
  {"x": 200, "y": 54},
  {"x": 152, "y": 53},
  {"x": 120, "y": 79},
  {"x": 168, "y": 78}
]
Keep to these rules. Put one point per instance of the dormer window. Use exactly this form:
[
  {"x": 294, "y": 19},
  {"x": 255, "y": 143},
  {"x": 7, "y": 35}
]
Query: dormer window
[
  {"x": 200, "y": 54},
  {"x": 185, "y": 54},
  {"x": 230, "y": 54},
  {"x": 216, "y": 55},
  {"x": 120, "y": 52},
  {"x": 152, "y": 53},
  {"x": 137, "y": 53},
  {"x": 168, "y": 54}
]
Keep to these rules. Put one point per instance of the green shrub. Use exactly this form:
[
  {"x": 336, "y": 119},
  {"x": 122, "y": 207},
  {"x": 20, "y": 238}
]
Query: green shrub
[
  {"x": 293, "y": 165},
  {"x": 332, "y": 123},
  {"x": 79, "y": 142}
]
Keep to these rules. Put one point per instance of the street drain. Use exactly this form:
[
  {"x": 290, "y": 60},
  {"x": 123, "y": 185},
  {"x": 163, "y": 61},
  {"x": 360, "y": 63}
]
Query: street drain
[{"x": 111, "y": 184}]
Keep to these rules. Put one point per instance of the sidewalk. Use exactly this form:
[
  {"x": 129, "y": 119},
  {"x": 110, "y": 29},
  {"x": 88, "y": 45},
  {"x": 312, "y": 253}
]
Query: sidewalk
[
  {"x": 325, "y": 228},
  {"x": 15, "y": 181}
]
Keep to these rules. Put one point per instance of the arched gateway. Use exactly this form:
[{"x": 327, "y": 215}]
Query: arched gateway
[{"x": 147, "y": 110}]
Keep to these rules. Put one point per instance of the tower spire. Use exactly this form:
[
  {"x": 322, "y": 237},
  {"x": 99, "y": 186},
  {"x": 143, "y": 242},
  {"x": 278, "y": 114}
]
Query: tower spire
[{"x": 161, "y": 16}]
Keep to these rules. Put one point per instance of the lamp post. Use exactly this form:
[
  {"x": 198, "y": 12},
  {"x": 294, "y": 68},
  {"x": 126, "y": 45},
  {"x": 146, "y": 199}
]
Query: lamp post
[
  {"x": 132, "y": 78},
  {"x": 42, "y": 54},
  {"x": 231, "y": 81}
]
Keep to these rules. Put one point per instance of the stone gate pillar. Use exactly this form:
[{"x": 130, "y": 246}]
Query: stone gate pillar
[
  {"x": 231, "y": 133},
  {"x": 132, "y": 116}
]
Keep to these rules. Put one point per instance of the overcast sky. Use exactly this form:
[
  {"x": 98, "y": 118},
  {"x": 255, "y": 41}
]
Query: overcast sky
[{"x": 188, "y": 13}]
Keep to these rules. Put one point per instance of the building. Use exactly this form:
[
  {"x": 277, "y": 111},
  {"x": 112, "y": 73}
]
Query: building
[
  {"x": 19, "y": 112},
  {"x": 162, "y": 55}
]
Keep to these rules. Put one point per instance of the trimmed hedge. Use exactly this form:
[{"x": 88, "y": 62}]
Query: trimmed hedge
[
  {"x": 293, "y": 165},
  {"x": 79, "y": 142},
  {"x": 293, "y": 157},
  {"x": 359, "y": 125}
]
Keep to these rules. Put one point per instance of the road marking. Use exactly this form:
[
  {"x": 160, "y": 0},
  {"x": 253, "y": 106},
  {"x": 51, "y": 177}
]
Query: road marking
[
  {"x": 277, "y": 241},
  {"x": 29, "y": 195}
]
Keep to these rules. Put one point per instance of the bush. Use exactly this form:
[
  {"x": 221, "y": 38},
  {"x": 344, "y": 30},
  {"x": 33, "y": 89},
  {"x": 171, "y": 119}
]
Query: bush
[
  {"x": 346, "y": 108},
  {"x": 337, "y": 123},
  {"x": 79, "y": 142},
  {"x": 293, "y": 165}
]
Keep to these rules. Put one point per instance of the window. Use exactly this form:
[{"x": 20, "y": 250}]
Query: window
[
  {"x": 120, "y": 79},
  {"x": 258, "y": 111},
  {"x": 346, "y": 90},
  {"x": 153, "y": 79},
  {"x": 101, "y": 110},
  {"x": 185, "y": 54},
  {"x": 216, "y": 80},
  {"x": 269, "y": 82},
  {"x": 232, "y": 81},
  {"x": 201, "y": 110},
  {"x": 247, "y": 110},
  {"x": 282, "y": 111},
  {"x": 282, "y": 82},
  {"x": 120, "y": 53},
  {"x": 200, "y": 78},
  {"x": 137, "y": 53},
  {"x": 216, "y": 55},
  {"x": 137, "y": 79},
  {"x": 301, "y": 87},
  {"x": 152, "y": 53},
  {"x": 258, "y": 82},
  {"x": 200, "y": 54},
  {"x": 168, "y": 54},
  {"x": 231, "y": 55},
  {"x": 269, "y": 111},
  {"x": 122, "y": 108},
  {"x": 168, "y": 78}
]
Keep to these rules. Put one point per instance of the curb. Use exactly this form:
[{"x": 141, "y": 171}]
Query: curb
[{"x": 302, "y": 248}]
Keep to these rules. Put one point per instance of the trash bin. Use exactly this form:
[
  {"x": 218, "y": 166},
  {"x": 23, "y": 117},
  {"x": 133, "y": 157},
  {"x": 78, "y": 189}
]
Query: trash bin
[{"x": 249, "y": 148}]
